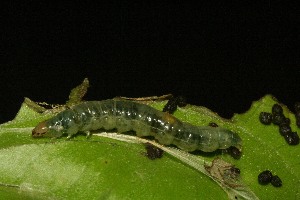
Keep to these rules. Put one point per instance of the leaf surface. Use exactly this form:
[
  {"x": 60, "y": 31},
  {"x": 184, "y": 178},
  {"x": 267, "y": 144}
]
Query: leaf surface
[{"x": 105, "y": 168}]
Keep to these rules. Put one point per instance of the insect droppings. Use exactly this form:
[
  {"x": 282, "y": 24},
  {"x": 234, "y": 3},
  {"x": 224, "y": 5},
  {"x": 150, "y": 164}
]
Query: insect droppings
[
  {"x": 277, "y": 109},
  {"x": 143, "y": 119},
  {"x": 234, "y": 152},
  {"x": 276, "y": 181},
  {"x": 265, "y": 118},
  {"x": 284, "y": 129},
  {"x": 265, "y": 177},
  {"x": 172, "y": 104},
  {"x": 153, "y": 152},
  {"x": 292, "y": 138},
  {"x": 278, "y": 119}
]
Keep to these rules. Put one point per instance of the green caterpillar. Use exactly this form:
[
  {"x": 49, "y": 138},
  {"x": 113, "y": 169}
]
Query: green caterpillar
[{"x": 144, "y": 120}]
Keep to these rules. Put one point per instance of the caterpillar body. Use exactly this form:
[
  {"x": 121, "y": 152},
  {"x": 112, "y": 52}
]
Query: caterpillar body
[{"x": 144, "y": 120}]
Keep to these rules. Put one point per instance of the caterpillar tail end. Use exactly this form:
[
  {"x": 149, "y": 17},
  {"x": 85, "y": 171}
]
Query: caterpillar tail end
[{"x": 40, "y": 130}]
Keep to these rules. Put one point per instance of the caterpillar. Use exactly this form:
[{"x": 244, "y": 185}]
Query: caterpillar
[{"x": 126, "y": 115}]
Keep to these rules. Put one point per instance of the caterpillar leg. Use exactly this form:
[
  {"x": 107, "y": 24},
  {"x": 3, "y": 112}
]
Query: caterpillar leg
[
  {"x": 69, "y": 137},
  {"x": 88, "y": 134}
]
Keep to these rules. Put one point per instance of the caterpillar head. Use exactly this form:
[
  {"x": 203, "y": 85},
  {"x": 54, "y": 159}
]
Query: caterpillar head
[
  {"x": 48, "y": 129},
  {"x": 40, "y": 130}
]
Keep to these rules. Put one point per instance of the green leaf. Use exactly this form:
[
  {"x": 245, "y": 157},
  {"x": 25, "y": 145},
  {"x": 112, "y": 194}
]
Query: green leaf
[
  {"x": 106, "y": 168},
  {"x": 264, "y": 148}
]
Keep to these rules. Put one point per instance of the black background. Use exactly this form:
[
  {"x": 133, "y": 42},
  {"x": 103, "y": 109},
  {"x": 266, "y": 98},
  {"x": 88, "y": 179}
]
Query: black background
[{"x": 219, "y": 55}]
